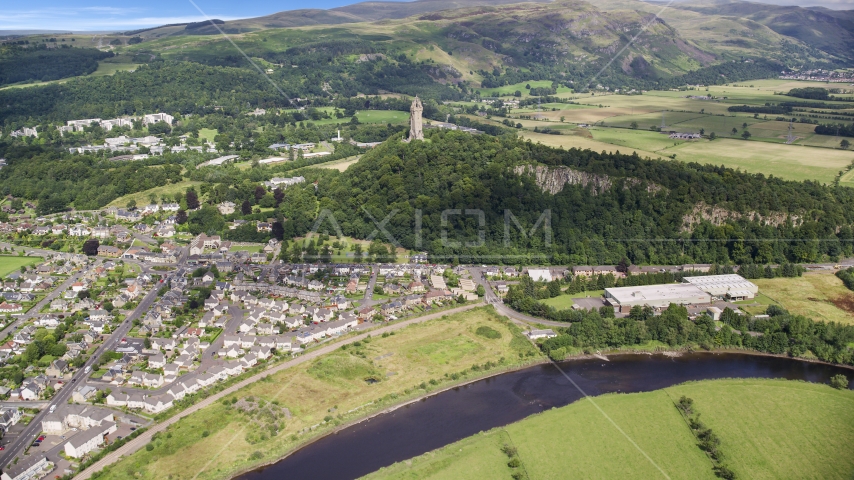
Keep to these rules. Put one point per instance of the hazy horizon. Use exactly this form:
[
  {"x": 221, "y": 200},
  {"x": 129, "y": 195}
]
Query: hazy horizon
[{"x": 94, "y": 16}]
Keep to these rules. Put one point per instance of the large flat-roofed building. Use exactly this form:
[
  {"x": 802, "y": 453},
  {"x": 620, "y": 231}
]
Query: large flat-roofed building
[
  {"x": 731, "y": 287},
  {"x": 656, "y": 296}
]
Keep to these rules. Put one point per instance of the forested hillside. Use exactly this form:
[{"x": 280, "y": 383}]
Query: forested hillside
[
  {"x": 638, "y": 209},
  {"x": 38, "y": 62}
]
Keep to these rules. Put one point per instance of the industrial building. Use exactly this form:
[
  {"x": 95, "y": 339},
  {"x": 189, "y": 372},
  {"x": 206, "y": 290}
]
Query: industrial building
[
  {"x": 725, "y": 287},
  {"x": 656, "y": 296},
  {"x": 701, "y": 290}
]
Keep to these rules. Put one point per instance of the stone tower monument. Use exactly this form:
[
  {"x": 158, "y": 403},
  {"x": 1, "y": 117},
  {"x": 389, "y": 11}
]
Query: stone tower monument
[{"x": 416, "y": 130}]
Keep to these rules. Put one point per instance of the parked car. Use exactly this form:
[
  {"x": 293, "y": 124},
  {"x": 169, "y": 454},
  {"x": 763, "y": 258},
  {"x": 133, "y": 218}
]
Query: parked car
[{"x": 41, "y": 438}]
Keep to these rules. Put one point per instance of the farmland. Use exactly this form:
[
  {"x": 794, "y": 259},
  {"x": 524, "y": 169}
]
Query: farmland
[{"x": 768, "y": 429}]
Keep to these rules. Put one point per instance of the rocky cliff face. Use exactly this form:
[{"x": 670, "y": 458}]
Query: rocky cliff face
[
  {"x": 719, "y": 216},
  {"x": 553, "y": 179}
]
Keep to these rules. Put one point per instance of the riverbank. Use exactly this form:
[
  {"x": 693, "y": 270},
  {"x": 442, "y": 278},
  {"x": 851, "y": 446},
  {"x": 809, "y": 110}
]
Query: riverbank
[
  {"x": 448, "y": 416},
  {"x": 321, "y": 393},
  {"x": 768, "y": 429},
  {"x": 393, "y": 408},
  {"x": 672, "y": 353}
]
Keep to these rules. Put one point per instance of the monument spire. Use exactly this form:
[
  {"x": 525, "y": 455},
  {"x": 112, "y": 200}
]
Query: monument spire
[{"x": 416, "y": 129}]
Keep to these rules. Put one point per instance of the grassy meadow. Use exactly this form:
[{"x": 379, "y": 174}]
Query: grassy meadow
[
  {"x": 820, "y": 296},
  {"x": 768, "y": 429},
  {"x": 323, "y": 393},
  {"x": 144, "y": 197},
  {"x": 9, "y": 264}
]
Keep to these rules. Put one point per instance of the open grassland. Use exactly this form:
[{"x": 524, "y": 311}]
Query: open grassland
[
  {"x": 789, "y": 162},
  {"x": 104, "y": 69},
  {"x": 820, "y": 296},
  {"x": 9, "y": 264},
  {"x": 340, "y": 165},
  {"x": 520, "y": 87},
  {"x": 144, "y": 197},
  {"x": 323, "y": 393},
  {"x": 768, "y": 429},
  {"x": 578, "y": 141}
]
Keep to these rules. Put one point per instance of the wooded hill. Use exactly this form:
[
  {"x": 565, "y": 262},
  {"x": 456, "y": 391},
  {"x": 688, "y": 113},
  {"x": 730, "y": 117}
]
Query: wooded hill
[{"x": 629, "y": 206}]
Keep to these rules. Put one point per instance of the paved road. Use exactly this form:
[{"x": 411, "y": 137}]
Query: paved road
[
  {"x": 493, "y": 299},
  {"x": 369, "y": 291},
  {"x": 61, "y": 397},
  {"x": 145, "y": 437},
  {"x": 34, "y": 311}
]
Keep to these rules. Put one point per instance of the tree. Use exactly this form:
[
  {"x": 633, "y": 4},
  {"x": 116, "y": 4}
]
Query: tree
[
  {"x": 623, "y": 266},
  {"x": 634, "y": 125},
  {"x": 839, "y": 382},
  {"x": 131, "y": 204},
  {"x": 260, "y": 191},
  {"x": 246, "y": 208},
  {"x": 844, "y": 144},
  {"x": 712, "y": 136},
  {"x": 734, "y": 130},
  {"x": 480, "y": 290},
  {"x": 90, "y": 247},
  {"x": 192, "y": 199},
  {"x": 83, "y": 294},
  {"x": 181, "y": 217},
  {"x": 702, "y": 131},
  {"x": 744, "y": 125},
  {"x": 745, "y": 134}
]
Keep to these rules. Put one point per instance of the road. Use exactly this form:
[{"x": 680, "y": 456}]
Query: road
[
  {"x": 492, "y": 298},
  {"x": 145, "y": 437},
  {"x": 61, "y": 397},
  {"x": 32, "y": 312},
  {"x": 369, "y": 290}
]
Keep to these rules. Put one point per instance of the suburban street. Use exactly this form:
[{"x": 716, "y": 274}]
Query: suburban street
[
  {"x": 61, "y": 397},
  {"x": 145, "y": 437}
]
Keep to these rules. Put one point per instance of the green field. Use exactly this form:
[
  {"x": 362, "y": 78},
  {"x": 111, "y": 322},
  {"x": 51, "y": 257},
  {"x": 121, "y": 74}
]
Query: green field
[
  {"x": 768, "y": 429},
  {"x": 820, "y": 296},
  {"x": 207, "y": 134},
  {"x": 144, "y": 198},
  {"x": 562, "y": 302},
  {"x": 510, "y": 89},
  {"x": 104, "y": 69},
  {"x": 9, "y": 264},
  {"x": 332, "y": 387}
]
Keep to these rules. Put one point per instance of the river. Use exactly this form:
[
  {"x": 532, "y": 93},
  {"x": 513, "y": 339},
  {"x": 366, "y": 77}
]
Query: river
[{"x": 449, "y": 416}]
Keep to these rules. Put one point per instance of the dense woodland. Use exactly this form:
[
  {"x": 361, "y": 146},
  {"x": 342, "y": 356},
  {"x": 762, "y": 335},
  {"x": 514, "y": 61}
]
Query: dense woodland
[
  {"x": 459, "y": 171},
  {"x": 38, "y": 62}
]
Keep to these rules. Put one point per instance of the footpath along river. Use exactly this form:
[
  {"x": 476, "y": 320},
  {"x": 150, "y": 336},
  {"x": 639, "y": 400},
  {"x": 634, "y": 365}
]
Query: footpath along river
[{"x": 449, "y": 416}]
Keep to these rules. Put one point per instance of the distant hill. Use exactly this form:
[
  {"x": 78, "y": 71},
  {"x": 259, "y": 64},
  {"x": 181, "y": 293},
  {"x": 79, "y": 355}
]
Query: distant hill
[{"x": 831, "y": 31}]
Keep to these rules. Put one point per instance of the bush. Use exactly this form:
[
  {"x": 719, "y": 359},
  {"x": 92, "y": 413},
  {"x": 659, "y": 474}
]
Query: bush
[
  {"x": 839, "y": 382},
  {"x": 488, "y": 332},
  {"x": 149, "y": 447}
]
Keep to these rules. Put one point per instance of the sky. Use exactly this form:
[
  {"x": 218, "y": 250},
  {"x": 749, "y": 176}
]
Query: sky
[{"x": 102, "y": 15}]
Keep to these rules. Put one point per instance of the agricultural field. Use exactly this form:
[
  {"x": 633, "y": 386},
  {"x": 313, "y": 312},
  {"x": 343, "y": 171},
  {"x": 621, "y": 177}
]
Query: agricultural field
[
  {"x": 810, "y": 156},
  {"x": 362, "y": 378},
  {"x": 9, "y": 264},
  {"x": 510, "y": 89},
  {"x": 768, "y": 429},
  {"x": 820, "y": 296}
]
